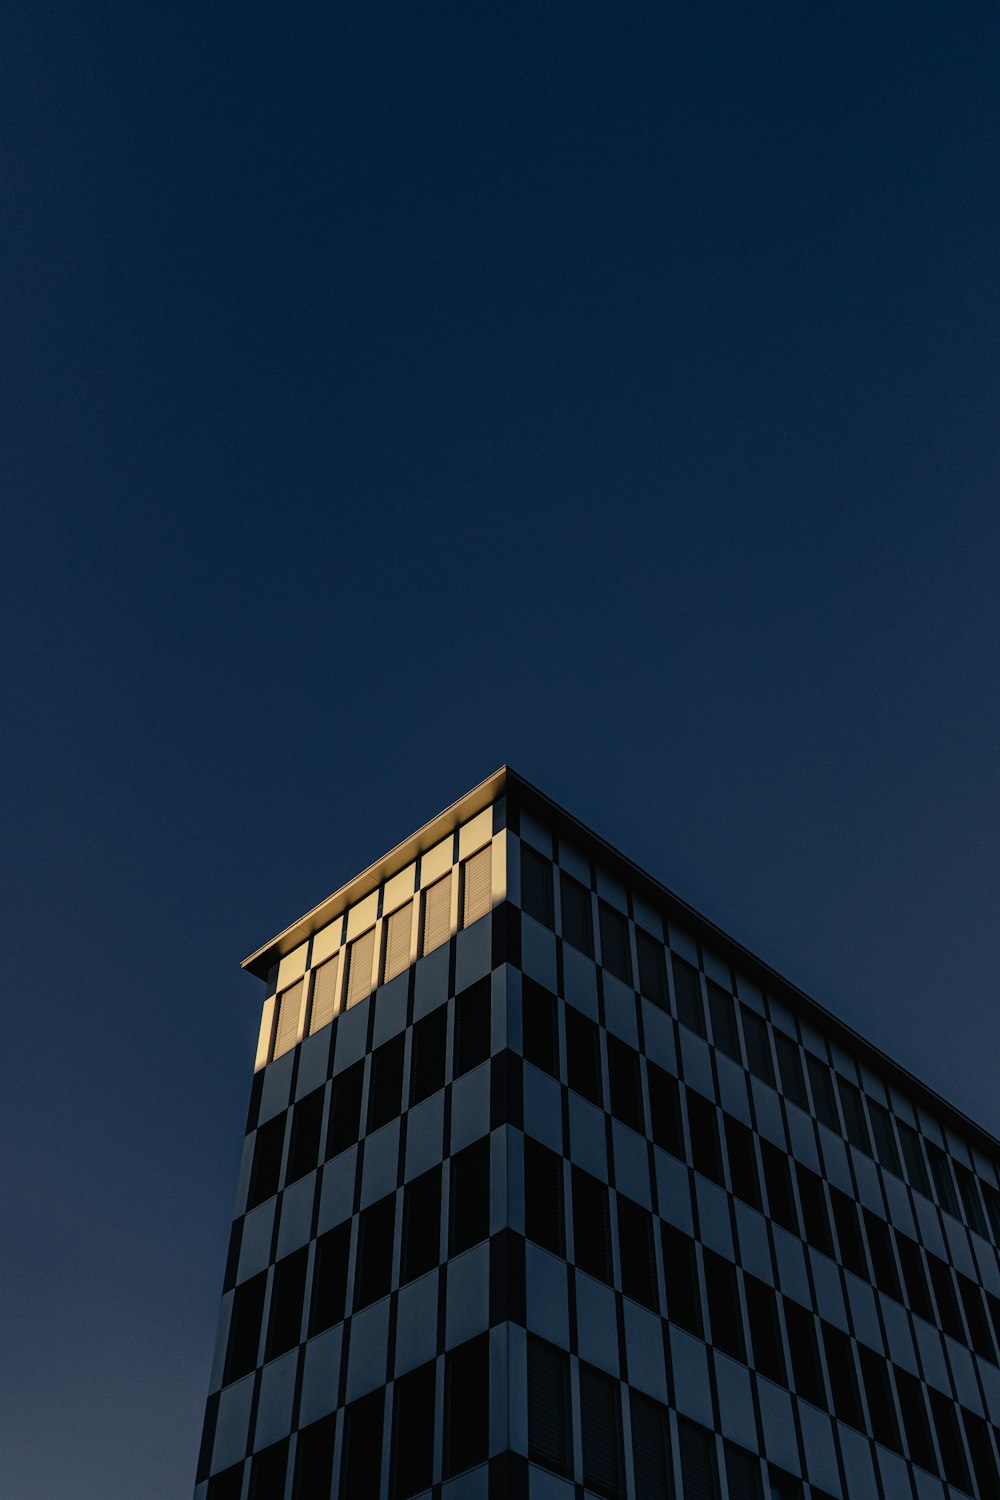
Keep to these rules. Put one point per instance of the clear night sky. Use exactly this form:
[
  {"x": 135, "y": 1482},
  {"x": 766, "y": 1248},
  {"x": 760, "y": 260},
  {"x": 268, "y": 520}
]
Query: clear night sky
[{"x": 392, "y": 390}]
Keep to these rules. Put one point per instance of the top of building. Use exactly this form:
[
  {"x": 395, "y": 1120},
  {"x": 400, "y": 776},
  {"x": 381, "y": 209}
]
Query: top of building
[{"x": 520, "y": 796}]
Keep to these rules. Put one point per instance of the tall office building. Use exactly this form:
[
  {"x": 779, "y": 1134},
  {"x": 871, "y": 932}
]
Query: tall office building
[{"x": 550, "y": 1189}]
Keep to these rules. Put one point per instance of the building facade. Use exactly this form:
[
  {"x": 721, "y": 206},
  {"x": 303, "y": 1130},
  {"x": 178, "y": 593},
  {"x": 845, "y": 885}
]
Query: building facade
[{"x": 552, "y": 1190}]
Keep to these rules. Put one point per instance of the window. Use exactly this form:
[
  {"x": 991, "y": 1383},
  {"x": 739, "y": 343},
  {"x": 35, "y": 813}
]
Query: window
[
  {"x": 536, "y": 886},
  {"x": 721, "y": 1008},
  {"x": 916, "y": 1171},
  {"x": 544, "y": 1212},
  {"x": 591, "y": 1226},
  {"x": 329, "y": 1290},
  {"x": 477, "y": 892},
  {"x": 765, "y": 1329},
  {"x": 303, "y": 1149},
  {"x": 793, "y": 1083},
  {"x": 914, "y": 1276},
  {"x": 616, "y": 953},
  {"x": 577, "y": 916},
  {"x": 360, "y": 966},
  {"x": 949, "y": 1437},
  {"x": 550, "y": 1440},
  {"x": 601, "y": 1433},
  {"x": 852, "y": 1247},
  {"x": 539, "y": 1027},
  {"x": 742, "y": 1473},
  {"x": 361, "y": 1459},
  {"x": 993, "y": 1209},
  {"x": 914, "y": 1413},
  {"x": 314, "y": 1460},
  {"x": 288, "y": 1291},
  {"x": 742, "y": 1162},
  {"x": 824, "y": 1101},
  {"x": 652, "y": 968},
  {"x": 978, "y": 1438},
  {"x": 650, "y": 1449},
  {"x": 324, "y": 994},
  {"x": 244, "y": 1328},
  {"x": 583, "y": 1056},
  {"x": 385, "y": 1095},
  {"x": 228, "y": 1485},
  {"x": 680, "y": 1273},
  {"x": 437, "y": 914},
  {"x": 469, "y": 1220},
  {"x": 267, "y": 1472},
  {"x": 466, "y": 1406},
  {"x": 885, "y": 1142},
  {"x": 344, "y": 1125},
  {"x": 625, "y": 1084},
  {"x": 975, "y": 1316},
  {"x": 699, "y": 1469},
  {"x": 412, "y": 1452},
  {"x": 427, "y": 1055},
  {"x": 665, "y": 1111},
  {"x": 949, "y": 1316},
  {"x": 421, "y": 1244},
  {"x": 883, "y": 1260},
  {"x": 755, "y": 1031},
  {"x": 373, "y": 1270},
  {"x": 687, "y": 994},
  {"x": 722, "y": 1292},
  {"x": 286, "y": 1030},
  {"x": 778, "y": 1177},
  {"x": 398, "y": 927},
  {"x": 473, "y": 1023},
  {"x": 971, "y": 1201},
  {"x": 843, "y": 1379},
  {"x": 269, "y": 1143},
  {"x": 638, "y": 1258},
  {"x": 703, "y": 1128},
  {"x": 854, "y": 1116},
  {"x": 783, "y": 1486},
  {"x": 881, "y": 1407},
  {"x": 803, "y": 1349},
  {"x": 814, "y": 1214}
]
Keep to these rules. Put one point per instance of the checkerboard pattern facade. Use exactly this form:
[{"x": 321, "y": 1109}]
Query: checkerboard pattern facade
[{"x": 584, "y": 1200}]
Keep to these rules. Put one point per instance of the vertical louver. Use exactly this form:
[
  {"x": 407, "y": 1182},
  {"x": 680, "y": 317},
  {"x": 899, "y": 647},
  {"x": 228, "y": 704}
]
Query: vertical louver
[
  {"x": 397, "y": 941},
  {"x": 287, "y": 1030},
  {"x": 476, "y": 886},
  {"x": 324, "y": 994},
  {"x": 437, "y": 914},
  {"x": 549, "y": 1435},
  {"x": 359, "y": 967},
  {"x": 601, "y": 1431}
]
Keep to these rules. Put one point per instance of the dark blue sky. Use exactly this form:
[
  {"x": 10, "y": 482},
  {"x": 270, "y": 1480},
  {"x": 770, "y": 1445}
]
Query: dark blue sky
[{"x": 393, "y": 390}]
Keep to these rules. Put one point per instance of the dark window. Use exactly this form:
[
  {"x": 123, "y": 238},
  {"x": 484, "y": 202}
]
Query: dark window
[
  {"x": 758, "y": 1047},
  {"x": 314, "y": 1460},
  {"x": 577, "y": 915},
  {"x": 303, "y": 1149},
  {"x": 824, "y": 1101},
  {"x": 943, "y": 1180},
  {"x": 843, "y": 1377},
  {"x": 914, "y": 1276},
  {"x": 703, "y": 1128},
  {"x": 540, "y": 1027},
  {"x": 978, "y": 1437},
  {"x": 885, "y": 1142},
  {"x": 616, "y": 954},
  {"x": 916, "y": 1170},
  {"x": 412, "y": 1455},
  {"x": 361, "y": 1458},
  {"x": 652, "y": 968},
  {"x": 625, "y": 1084},
  {"x": 725, "y": 1033},
  {"x": 466, "y": 1406},
  {"x": 742, "y": 1474},
  {"x": 723, "y": 1294},
  {"x": 782, "y": 1486},
  {"x": 883, "y": 1260},
  {"x": 469, "y": 1197},
  {"x": 650, "y": 1449},
  {"x": 536, "y": 885},
  {"x": 228, "y": 1485},
  {"x": 914, "y": 1412},
  {"x": 421, "y": 1243},
  {"x": 765, "y": 1329},
  {"x": 993, "y": 1307},
  {"x": 244, "y": 1328},
  {"x": 778, "y": 1178},
  {"x": 473, "y": 1026},
  {"x": 665, "y": 1111},
  {"x": 852, "y": 1248},
  {"x": 793, "y": 1083},
  {"x": 591, "y": 1226},
  {"x": 550, "y": 1440},
  {"x": 373, "y": 1272},
  {"x": 345, "y": 1109},
  {"x": 949, "y": 1316},
  {"x": 949, "y": 1437},
  {"x": 680, "y": 1274},
  {"x": 687, "y": 993},
  {"x": 544, "y": 1213},
  {"x": 699, "y": 1469},
  {"x": 803, "y": 1348},
  {"x": 971, "y": 1201},
  {"x": 427, "y": 1054},
  {"x": 638, "y": 1258},
  {"x": 266, "y": 1170},
  {"x": 601, "y": 1433},
  {"x": 881, "y": 1407},
  {"x": 329, "y": 1290},
  {"x": 288, "y": 1291},
  {"x": 975, "y": 1316},
  {"x": 583, "y": 1056},
  {"x": 993, "y": 1209},
  {"x": 814, "y": 1214},
  {"x": 743, "y": 1171},
  {"x": 385, "y": 1096},
  {"x": 267, "y": 1472},
  {"x": 854, "y": 1116}
]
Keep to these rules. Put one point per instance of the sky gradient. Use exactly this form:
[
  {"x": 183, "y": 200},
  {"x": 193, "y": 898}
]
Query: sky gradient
[{"x": 392, "y": 391}]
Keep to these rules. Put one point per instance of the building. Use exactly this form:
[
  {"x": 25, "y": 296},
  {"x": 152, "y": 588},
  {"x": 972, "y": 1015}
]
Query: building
[{"x": 551, "y": 1189}]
